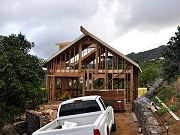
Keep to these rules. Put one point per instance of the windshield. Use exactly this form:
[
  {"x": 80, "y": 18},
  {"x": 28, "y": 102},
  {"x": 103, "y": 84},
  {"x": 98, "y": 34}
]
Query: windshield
[{"x": 79, "y": 107}]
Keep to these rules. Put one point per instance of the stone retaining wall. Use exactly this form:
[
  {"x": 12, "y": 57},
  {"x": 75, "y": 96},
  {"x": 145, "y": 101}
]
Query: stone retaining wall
[{"x": 146, "y": 118}]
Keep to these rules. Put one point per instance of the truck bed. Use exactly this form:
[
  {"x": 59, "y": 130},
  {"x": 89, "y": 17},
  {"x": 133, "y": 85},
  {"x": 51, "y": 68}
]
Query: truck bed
[{"x": 82, "y": 120}]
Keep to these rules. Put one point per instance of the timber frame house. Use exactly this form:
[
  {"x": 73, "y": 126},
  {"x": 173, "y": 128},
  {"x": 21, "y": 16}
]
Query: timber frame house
[{"x": 88, "y": 66}]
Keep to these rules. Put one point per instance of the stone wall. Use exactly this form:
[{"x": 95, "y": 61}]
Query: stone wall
[{"x": 146, "y": 118}]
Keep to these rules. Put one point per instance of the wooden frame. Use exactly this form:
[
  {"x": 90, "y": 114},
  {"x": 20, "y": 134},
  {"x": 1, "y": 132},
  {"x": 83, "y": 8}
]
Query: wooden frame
[{"x": 85, "y": 68}]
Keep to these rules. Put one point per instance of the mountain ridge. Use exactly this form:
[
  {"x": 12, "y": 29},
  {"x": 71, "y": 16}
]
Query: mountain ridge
[{"x": 147, "y": 55}]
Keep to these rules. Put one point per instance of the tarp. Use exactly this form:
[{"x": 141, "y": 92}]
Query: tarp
[{"x": 141, "y": 91}]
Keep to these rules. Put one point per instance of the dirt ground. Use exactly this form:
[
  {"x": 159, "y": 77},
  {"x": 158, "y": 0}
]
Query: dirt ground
[{"x": 125, "y": 124}]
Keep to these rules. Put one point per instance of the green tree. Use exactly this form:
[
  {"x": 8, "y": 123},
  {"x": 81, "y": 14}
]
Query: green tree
[
  {"x": 151, "y": 70},
  {"x": 21, "y": 76},
  {"x": 171, "y": 69}
]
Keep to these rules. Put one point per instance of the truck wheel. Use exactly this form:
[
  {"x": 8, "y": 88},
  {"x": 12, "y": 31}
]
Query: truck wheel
[{"x": 113, "y": 129}]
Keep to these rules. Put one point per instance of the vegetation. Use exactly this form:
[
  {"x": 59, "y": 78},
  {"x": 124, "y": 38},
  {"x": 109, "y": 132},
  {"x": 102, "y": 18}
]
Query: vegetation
[
  {"x": 171, "y": 66},
  {"x": 162, "y": 111},
  {"x": 21, "y": 76},
  {"x": 151, "y": 70},
  {"x": 147, "y": 55},
  {"x": 173, "y": 108},
  {"x": 165, "y": 94}
]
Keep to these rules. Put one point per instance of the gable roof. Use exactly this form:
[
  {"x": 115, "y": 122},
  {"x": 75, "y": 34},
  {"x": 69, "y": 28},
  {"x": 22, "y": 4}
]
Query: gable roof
[{"x": 85, "y": 33}]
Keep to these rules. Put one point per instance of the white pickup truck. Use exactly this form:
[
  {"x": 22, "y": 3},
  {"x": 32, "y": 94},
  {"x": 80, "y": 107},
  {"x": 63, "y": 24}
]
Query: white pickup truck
[{"x": 81, "y": 116}]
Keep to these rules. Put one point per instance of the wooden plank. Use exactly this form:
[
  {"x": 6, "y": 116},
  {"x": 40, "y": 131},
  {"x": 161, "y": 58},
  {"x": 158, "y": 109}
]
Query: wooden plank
[
  {"x": 53, "y": 88},
  {"x": 108, "y": 94},
  {"x": 96, "y": 66},
  {"x": 99, "y": 76},
  {"x": 106, "y": 69},
  {"x": 120, "y": 76},
  {"x": 84, "y": 84},
  {"x": 83, "y": 30},
  {"x": 131, "y": 84},
  {"x": 134, "y": 117},
  {"x": 170, "y": 112},
  {"x": 67, "y": 74},
  {"x": 80, "y": 56},
  {"x": 87, "y": 79}
]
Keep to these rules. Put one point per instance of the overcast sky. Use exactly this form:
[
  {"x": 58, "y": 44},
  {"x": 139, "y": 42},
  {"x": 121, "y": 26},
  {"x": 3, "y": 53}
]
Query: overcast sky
[{"x": 127, "y": 25}]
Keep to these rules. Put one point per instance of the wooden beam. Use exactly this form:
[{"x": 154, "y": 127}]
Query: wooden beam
[
  {"x": 80, "y": 56},
  {"x": 84, "y": 84},
  {"x": 53, "y": 88},
  {"x": 67, "y": 74},
  {"x": 87, "y": 79},
  {"x": 99, "y": 76},
  {"x": 112, "y": 71},
  {"x": 92, "y": 46},
  {"x": 83, "y": 30},
  {"x": 97, "y": 53},
  {"x": 106, "y": 69},
  {"x": 131, "y": 84},
  {"x": 89, "y": 42}
]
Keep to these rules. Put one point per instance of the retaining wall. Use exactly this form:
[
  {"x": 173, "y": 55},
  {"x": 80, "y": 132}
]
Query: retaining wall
[{"x": 146, "y": 118}]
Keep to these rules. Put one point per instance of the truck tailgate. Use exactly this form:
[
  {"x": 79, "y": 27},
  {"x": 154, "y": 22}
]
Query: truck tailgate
[{"x": 80, "y": 130}]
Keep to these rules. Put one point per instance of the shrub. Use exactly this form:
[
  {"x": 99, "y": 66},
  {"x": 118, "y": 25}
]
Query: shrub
[
  {"x": 165, "y": 94},
  {"x": 173, "y": 108},
  {"x": 162, "y": 111}
]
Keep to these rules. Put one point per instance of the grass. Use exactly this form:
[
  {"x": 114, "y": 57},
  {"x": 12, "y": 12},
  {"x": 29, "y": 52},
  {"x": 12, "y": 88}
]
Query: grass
[
  {"x": 162, "y": 111},
  {"x": 165, "y": 94},
  {"x": 173, "y": 108},
  {"x": 156, "y": 102}
]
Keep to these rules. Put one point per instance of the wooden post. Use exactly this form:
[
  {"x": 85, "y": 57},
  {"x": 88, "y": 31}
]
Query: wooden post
[
  {"x": 62, "y": 86},
  {"x": 135, "y": 83},
  {"x": 84, "y": 84},
  {"x": 87, "y": 79},
  {"x": 74, "y": 59},
  {"x": 53, "y": 88},
  {"x": 97, "y": 52},
  {"x": 50, "y": 88},
  {"x": 112, "y": 71},
  {"x": 92, "y": 79},
  {"x": 80, "y": 56},
  {"x": 131, "y": 84},
  {"x": 69, "y": 59},
  {"x": 60, "y": 62},
  {"x": 77, "y": 86},
  {"x": 47, "y": 85},
  {"x": 106, "y": 69}
]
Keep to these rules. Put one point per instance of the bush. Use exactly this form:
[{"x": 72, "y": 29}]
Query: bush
[
  {"x": 173, "y": 108},
  {"x": 162, "y": 111},
  {"x": 165, "y": 94}
]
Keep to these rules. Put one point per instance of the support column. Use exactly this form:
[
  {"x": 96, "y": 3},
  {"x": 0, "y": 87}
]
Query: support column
[
  {"x": 106, "y": 69},
  {"x": 97, "y": 53},
  {"x": 47, "y": 86},
  {"x": 132, "y": 84},
  {"x": 53, "y": 88},
  {"x": 80, "y": 56},
  {"x": 87, "y": 79},
  {"x": 84, "y": 84},
  {"x": 135, "y": 84},
  {"x": 77, "y": 86}
]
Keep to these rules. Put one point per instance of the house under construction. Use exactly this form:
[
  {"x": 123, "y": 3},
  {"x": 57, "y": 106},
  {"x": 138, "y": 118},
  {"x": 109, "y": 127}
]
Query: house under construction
[{"x": 89, "y": 66}]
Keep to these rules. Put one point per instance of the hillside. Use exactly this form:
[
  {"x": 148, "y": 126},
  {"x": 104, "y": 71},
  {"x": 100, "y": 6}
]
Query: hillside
[{"x": 147, "y": 55}]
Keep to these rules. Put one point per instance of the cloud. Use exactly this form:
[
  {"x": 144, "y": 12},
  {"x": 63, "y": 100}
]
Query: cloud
[
  {"x": 150, "y": 16},
  {"x": 45, "y": 22}
]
